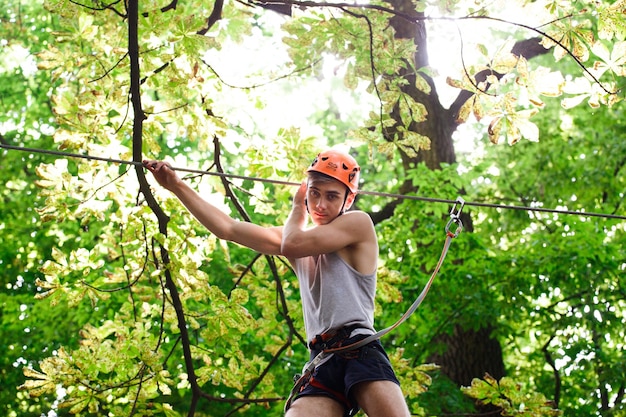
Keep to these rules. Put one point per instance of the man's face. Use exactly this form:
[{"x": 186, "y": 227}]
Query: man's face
[{"x": 325, "y": 200}]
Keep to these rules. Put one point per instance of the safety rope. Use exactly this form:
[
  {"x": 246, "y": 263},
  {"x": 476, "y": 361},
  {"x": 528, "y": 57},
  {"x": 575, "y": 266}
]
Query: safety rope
[
  {"x": 325, "y": 354},
  {"x": 279, "y": 182}
]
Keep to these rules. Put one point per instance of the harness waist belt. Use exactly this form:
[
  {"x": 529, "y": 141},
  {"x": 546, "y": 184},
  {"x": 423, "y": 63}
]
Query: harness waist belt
[{"x": 331, "y": 338}]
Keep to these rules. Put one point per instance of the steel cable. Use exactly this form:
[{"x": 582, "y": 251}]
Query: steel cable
[{"x": 280, "y": 182}]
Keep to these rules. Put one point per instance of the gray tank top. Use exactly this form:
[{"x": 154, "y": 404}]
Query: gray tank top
[{"x": 335, "y": 295}]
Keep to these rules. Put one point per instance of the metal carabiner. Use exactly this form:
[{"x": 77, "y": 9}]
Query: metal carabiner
[{"x": 455, "y": 217}]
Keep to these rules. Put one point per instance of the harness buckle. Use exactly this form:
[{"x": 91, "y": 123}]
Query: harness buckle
[{"x": 330, "y": 339}]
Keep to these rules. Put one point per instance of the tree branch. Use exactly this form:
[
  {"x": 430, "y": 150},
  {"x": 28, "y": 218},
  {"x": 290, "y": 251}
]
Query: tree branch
[
  {"x": 528, "y": 48},
  {"x": 163, "y": 219},
  {"x": 214, "y": 17},
  {"x": 555, "y": 371},
  {"x": 283, "y": 310}
]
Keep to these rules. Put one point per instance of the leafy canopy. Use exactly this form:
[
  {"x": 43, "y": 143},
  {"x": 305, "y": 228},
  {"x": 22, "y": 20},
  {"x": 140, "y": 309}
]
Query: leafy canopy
[{"x": 138, "y": 310}]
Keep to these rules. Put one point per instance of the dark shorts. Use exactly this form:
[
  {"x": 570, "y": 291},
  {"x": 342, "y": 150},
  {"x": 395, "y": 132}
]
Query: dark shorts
[{"x": 336, "y": 377}]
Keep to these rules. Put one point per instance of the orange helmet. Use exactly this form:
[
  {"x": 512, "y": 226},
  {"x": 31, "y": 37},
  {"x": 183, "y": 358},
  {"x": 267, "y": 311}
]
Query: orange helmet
[{"x": 338, "y": 165}]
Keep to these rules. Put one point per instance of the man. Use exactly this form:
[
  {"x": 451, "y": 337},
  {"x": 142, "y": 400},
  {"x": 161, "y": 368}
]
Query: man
[{"x": 335, "y": 260}]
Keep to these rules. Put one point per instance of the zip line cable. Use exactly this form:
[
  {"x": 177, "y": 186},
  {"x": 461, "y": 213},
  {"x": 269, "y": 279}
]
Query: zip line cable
[
  {"x": 279, "y": 182},
  {"x": 140, "y": 164}
]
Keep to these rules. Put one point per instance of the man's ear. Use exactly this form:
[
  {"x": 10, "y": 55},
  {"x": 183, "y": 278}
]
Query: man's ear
[{"x": 349, "y": 201}]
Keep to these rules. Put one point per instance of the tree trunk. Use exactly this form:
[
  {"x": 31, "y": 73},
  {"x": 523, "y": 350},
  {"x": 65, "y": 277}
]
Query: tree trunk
[{"x": 468, "y": 353}]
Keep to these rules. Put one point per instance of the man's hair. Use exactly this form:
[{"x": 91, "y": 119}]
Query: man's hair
[{"x": 318, "y": 177}]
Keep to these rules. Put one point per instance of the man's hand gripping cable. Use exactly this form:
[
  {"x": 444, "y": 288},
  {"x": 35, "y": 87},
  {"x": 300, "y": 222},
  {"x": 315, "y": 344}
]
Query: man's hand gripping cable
[{"x": 307, "y": 371}]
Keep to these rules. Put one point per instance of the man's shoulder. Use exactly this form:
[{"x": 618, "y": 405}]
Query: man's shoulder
[
  {"x": 358, "y": 215},
  {"x": 358, "y": 223}
]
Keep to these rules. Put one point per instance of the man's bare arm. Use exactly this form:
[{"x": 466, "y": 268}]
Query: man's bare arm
[{"x": 261, "y": 239}]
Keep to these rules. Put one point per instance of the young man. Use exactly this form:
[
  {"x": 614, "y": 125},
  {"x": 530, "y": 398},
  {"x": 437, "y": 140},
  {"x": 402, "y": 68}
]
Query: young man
[{"x": 335, "y": 260}]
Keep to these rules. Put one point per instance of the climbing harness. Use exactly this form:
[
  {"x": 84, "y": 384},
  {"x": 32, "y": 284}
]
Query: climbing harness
[{"x": 453, "y": 229}]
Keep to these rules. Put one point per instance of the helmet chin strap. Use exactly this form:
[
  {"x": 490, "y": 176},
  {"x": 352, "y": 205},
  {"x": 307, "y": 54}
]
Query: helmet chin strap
[{"x": 344, "y": 203}]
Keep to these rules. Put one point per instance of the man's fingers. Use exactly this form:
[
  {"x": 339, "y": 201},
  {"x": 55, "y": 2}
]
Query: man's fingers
[{"x": 154, "y": 165}]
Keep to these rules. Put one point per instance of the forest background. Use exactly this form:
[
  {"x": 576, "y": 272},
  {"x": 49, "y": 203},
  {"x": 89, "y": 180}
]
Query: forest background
[{"x": 115, "y": 302}]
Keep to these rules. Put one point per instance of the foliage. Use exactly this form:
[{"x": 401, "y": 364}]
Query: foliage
[
  {"x": 123, "y": 305},
  {"x": 507, "y": 395},
  {"x": 564, "y": 271}
]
